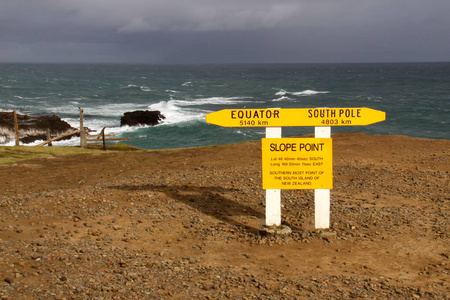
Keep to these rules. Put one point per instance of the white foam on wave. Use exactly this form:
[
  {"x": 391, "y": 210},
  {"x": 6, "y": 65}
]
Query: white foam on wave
[
  {"x": 141, "y": 87},
  {"x": 130, "y": 86},
  {"x": 110, "y": 115},
  {"x": 308, "y": 93},
  {"x": 145, "y": 88},
  {"x": 11, "y": 108},
  {"x": 282, "y": 98},
  {"x": 180, "y": 111},
  {"x": 74, "y": 141},
  {"x": 302, "y": 93},
  {"x": 213, "y": 100},
  {"x": 81, "y": 98},
  {"x": 99, "y": 116},
  {"x": 172, "y": 91},
  {"x": 118, "y": 130},
  {"x": 281, "y": 93},
  {"x": 28, "y": 98},
  {"x": 174, "y": 112},
  {"x": 104, "y": 110}
]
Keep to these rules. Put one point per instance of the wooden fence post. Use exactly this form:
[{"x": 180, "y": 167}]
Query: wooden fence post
[
  {"x": 49, "y": 137},
  {"x": 83, "y": 143},
  {"x": 104, "y": 141},
  {"x": 16, "y": 127}
]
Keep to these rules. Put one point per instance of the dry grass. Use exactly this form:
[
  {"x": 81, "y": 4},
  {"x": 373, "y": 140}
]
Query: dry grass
[
  {"x": 12, "y": 154},
  {"x": 19, "y": 153}
]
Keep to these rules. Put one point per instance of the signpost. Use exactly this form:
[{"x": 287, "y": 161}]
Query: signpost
[
  {"x": 350, "y": 116},
  {"x": 297, "y": 163}
]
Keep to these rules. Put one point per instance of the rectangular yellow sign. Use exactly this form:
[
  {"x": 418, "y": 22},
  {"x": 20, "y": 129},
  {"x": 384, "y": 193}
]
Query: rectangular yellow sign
[{"x": 297, "y": 163}]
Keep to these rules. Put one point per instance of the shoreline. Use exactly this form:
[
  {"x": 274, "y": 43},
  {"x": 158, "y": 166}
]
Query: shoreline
[
  {"x": 140, "y": 224},
  {"x": 123, "y": 147}
]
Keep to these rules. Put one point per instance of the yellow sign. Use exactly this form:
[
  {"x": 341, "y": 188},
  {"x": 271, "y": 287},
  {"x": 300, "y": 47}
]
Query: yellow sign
[
  {"x": 297, "y": 163},
  {"x": 349, "y": 116}
]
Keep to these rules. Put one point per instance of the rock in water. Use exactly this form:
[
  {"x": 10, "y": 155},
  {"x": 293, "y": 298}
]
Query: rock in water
[
  {"x": 32, "y": 128},
  {"x": 140, "y": 117}
]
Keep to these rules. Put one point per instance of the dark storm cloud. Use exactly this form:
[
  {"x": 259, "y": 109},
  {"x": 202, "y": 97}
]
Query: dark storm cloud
[{"x": 199, "y": 31}]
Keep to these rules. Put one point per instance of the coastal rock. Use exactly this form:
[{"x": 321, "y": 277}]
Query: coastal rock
[
  {"x": 31, "y": 128},
  {"x": 140, "y": 117}
]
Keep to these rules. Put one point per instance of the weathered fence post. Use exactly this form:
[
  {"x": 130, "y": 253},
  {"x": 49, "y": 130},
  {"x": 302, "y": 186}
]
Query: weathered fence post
[
  {"x": 104, "y": 140},
  {"x": 49, "y": 137},
  {"x": 16, "y": 126},
  {"x": 83, "y": 143}
]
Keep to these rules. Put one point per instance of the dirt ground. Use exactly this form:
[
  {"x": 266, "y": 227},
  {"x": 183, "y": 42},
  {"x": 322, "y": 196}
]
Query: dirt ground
[{"x": 185, "y": 224}]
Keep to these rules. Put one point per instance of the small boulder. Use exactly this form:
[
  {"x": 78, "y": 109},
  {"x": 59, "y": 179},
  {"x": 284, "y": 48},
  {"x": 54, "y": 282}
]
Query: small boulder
[{"x": 140, "y": 117}]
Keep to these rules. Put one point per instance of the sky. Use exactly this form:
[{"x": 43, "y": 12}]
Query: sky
[{"x": 224, "y": 31}]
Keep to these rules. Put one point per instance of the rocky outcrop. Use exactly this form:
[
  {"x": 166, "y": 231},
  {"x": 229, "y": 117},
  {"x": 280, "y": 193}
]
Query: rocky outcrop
[
  {"x": 31, "y": 128},
  {"x": 140, "y": 117}
]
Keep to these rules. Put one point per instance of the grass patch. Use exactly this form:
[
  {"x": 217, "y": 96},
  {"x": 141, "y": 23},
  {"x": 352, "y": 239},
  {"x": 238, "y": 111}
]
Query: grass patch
[
  {"x": 18, "y": 153},
  {"x": 123, "y": 147}
]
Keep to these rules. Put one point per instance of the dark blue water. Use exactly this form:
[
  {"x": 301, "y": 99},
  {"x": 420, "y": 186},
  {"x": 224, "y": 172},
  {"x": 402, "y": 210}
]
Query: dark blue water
[{"x": 415, "y": 97}]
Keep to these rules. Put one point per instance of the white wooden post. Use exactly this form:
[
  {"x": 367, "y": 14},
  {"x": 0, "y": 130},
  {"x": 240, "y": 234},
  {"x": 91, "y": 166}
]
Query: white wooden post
[
  {"x": 273, "y": 196},
  {"x": 322, "y": 196}
]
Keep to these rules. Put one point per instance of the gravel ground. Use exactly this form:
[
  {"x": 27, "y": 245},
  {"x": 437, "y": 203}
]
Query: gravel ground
[{"x": 186, "y": 224}]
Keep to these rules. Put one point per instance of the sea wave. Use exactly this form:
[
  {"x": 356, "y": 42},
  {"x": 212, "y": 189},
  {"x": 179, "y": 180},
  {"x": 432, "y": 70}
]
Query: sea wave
[
  {"x": 282, "y": 98},
  {"x": 11, "y": 108},
  {"x": 214, "y": 101},
  {"x": 97, "y": 116},
  {"x": 180, "y": 111},
  {"x": 145, "y": 88},
  {"x": 302, "y": 93},
  {"x": 28, "y": 98},
  {"x": 138, "y": 87},
  {"x": 175, "y": 111}
]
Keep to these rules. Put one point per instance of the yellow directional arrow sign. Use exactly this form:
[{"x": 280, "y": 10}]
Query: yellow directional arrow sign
[{"x": 279, "y": 117}]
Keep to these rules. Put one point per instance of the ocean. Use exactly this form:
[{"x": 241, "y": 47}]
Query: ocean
[{"x": 415, "y": 97}]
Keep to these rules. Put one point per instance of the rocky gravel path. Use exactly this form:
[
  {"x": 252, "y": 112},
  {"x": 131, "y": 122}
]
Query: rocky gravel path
[{"x": 186, "y": 225}]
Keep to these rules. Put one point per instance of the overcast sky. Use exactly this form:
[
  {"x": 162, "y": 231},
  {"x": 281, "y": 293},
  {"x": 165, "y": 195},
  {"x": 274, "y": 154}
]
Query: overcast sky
[{"x": 224, "y": 31}]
